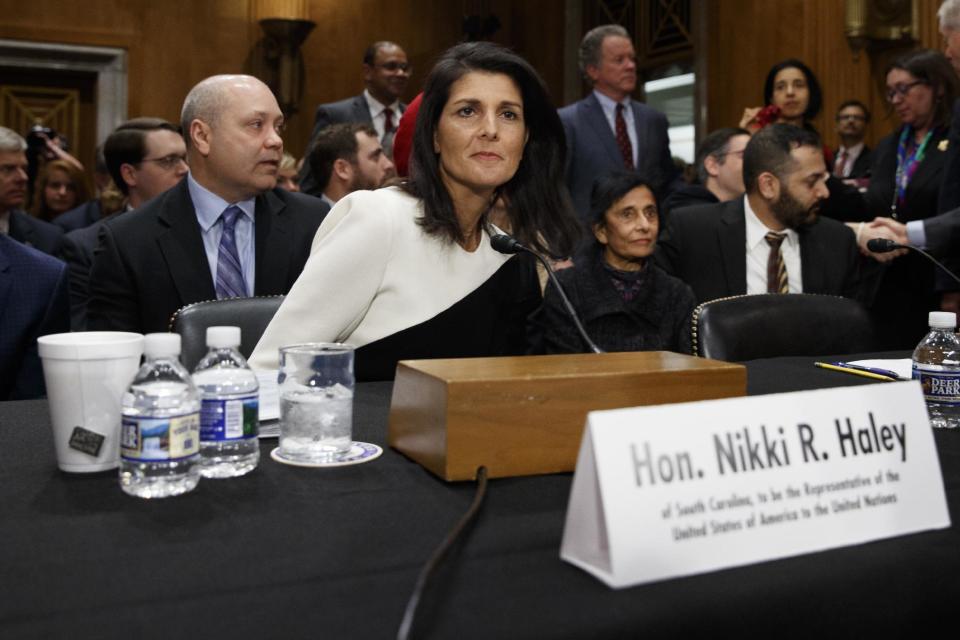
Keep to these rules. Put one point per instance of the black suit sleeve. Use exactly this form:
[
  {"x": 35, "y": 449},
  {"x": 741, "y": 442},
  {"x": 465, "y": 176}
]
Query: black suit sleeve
[
  {"x": 942, "y": 232},
  {"x": 29, "y": 379},
  {"x": 949, "y": 197},
  {"x": 78, "y": 269},
  {"x": 112, "y": 305}
]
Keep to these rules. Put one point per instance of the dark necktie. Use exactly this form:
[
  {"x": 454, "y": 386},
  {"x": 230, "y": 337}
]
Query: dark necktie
[
  {"x": 623, "y": 140},
  {"x": 229, "y": 282},
  {"x": 838, "y": 169},
  {"x": 777, "y": 281},
  {"x": 388, "y": 132}
]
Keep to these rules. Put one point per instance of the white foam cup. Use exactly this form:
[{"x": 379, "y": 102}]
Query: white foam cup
[{"x": 86, "y": 374}]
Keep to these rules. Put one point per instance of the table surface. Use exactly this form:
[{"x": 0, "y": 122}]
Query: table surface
[{"x": 334, "y": 553}]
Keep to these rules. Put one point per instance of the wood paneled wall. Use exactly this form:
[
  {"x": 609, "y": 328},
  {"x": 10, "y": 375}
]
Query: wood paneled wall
[
  {"x": 172, "y": 44},
  {"x": 746, "y": 37}
]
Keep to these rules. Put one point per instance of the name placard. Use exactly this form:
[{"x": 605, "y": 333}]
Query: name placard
[{"x": 674, "y": 490}]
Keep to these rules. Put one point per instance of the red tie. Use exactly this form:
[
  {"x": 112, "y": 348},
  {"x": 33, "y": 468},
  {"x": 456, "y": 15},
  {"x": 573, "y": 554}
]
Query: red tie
[
  {"x": 387, "y": 121},
  {"x": 623, "y": 140},
  {"x": 838, "y": 169}
]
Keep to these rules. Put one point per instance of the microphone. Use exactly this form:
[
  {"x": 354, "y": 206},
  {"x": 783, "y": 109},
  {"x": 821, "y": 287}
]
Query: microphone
[
  {"x": 883, "y": 245},
  {"x": 509, "y": 245}
]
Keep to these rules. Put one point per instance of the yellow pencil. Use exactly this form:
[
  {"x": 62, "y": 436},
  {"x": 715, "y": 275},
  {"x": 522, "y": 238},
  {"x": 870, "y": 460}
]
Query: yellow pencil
[{"x": 856, "y": 372}]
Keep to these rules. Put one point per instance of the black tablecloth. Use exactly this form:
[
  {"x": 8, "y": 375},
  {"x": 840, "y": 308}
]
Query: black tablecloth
[{"x": 290, "y": 552}]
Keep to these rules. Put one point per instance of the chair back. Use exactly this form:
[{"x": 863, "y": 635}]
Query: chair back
[
  {"x": 252, "y": 315},
  {"x": 766, "y": 325}
]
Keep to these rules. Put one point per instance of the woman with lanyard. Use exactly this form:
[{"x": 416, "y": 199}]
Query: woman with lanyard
[{"x": 921, "y": 87}]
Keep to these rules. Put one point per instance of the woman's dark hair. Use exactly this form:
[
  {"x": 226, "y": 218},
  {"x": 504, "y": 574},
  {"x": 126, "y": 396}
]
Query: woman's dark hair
[
  {"x": 609, "y": 188},
  {"x": 932, "y": 68},
  {"x": 813, "y": 86},
  {"x": 540, "y": 211}
]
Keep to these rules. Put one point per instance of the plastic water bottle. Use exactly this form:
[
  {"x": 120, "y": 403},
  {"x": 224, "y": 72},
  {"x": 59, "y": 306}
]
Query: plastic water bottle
[
  {"x": 160, "y": 427},
  {"x": 936, "y": 364},
  {"x": 229, "y": 413}
]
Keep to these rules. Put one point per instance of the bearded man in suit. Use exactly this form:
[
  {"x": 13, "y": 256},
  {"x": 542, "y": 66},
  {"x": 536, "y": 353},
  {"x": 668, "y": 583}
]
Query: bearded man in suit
[
  {"x": 771, "y": 240},
  {"x": 224, "y": 231}
]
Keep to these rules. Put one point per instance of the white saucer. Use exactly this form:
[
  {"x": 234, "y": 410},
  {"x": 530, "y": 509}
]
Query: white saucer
[{"x": 359, "y": 453}]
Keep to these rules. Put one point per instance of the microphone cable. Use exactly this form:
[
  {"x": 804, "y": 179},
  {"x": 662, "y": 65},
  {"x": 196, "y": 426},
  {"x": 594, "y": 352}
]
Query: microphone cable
[
  {"x": 509, "y": 245},
  {"x": 883, "y": 245},
  {"x": 409, "y": 614}
]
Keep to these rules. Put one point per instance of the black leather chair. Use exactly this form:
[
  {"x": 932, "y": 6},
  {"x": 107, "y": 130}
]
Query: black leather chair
[
  {"x": 252, "y": 315},
  {"x": 771, "y": 325}
]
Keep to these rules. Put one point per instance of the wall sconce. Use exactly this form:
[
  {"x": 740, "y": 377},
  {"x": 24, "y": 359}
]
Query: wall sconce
[
  {"x": 278, "y": 61},
  {"x": 880, "y": 23}
]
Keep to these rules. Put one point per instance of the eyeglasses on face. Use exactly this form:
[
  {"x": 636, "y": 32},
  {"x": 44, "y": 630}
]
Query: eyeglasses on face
[
  {"x": 901, "y": 90},
  {"x": 393, "y": 67},
  {"x": 168, "y": 162}
]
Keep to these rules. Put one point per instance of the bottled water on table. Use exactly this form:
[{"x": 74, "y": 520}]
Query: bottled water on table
[
  {"x": 936, "y": 364},
  {"x": 317, "y": 423},
  {"x": 229, "y": 413},
  {"x": 160, "y": 424}
]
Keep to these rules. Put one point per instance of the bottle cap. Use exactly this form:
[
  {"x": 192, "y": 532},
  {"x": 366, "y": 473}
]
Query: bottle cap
[
  {"x": 223, "y": 337},
  {"x": 943, "y": 319},
  {"x": 160, "y": 345}
]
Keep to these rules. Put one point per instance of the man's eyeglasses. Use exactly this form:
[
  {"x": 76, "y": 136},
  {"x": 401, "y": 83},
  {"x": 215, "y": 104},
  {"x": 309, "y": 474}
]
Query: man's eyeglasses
[
  {"x": 393, "y": 67},
  {"x": 901, "y": 89},
  {"x": 169, "y": 162}
]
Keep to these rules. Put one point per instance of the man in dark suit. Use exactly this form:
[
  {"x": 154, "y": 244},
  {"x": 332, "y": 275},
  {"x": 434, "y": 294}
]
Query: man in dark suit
[
  {"x": 145, "y": 157},
  {"x": 33, "y": 303},
  {"x": 852, "y": 158},
  {"x": 225, "y": 231},
  {"x": 771, "y": 240},
  {"x": 15, "y": 222},
  {"x": 385, "y": 73},
  {"x": 607, "y": 130}
]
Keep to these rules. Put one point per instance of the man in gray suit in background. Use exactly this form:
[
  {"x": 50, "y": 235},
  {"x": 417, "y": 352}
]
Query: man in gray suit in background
[
  {"x": 607, "y": 130},
  {"x": 386, "y": 72}
]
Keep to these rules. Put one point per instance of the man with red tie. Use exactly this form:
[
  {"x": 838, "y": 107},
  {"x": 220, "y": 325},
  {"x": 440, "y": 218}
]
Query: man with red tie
[
  {"x": 608, "y": 130},
  {"x": 386, "y": 72}
]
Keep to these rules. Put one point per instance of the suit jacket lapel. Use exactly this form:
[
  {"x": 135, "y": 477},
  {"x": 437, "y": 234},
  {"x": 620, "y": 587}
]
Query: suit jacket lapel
[
  {"x": 182, "y": 246},
  {"x": 592, "y": 114},
  {"x": 732, "y": 239},
  {"x": 20, "y": 230},
  {"x": 931, "y": 167},
  {"x": 361, "y": 110},
  {"x": 272, "y": 245},
  {"x": 641, "y": 128}
]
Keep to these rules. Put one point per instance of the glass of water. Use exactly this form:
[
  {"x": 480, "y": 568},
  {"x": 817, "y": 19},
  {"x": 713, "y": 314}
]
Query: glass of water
[{"x": 316, "y": 402}]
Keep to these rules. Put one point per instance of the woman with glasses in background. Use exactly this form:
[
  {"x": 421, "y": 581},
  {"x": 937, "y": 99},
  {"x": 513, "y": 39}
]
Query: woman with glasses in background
[{"x": 906, "y": 173}]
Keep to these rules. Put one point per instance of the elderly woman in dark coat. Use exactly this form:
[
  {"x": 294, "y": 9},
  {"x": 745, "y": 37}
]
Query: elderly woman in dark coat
[{"x": 626, "y": 303}]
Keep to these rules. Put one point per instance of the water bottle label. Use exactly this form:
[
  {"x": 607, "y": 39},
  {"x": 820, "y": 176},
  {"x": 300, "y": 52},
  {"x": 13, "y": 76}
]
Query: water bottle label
[
  {"x": 145, "y": 439},
  {"x": 941, "y": 387},
  {"x": 233, "y": 419}
]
